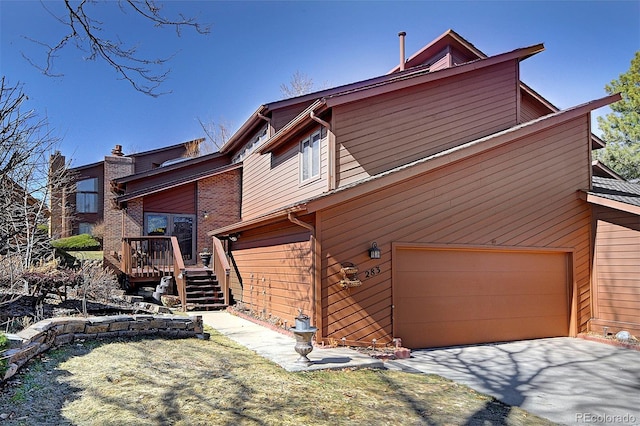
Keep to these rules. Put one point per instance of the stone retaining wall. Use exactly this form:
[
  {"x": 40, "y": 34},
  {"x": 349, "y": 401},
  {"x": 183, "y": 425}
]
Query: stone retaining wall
[{"x": 55, "y": 332}]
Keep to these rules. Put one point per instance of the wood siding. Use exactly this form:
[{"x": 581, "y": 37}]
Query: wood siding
[
  {"x": 530, "y": 109},
  {"x": 522, "y": 194},
  {"x": 181, "y": 199},
  {"x": 616, "y": 274},
  {"x": 275, "y": 264},
  {"x": 383, "y": 132},
  {"x": 272, "y": 180},
  {"x": 282, "y": 116}
]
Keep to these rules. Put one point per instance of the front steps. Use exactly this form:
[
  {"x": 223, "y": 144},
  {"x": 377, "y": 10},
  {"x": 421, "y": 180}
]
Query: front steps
[{"x": 203, "y": 291}]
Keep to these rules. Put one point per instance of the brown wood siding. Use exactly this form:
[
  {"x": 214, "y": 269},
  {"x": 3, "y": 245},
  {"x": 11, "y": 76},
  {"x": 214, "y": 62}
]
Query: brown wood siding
[
  {"x": 181, "y": 199},
  {"x": 387, "y": 131},
  {"x": 275, "y": 264},
  {"x": 616, "y": 271},
  {"x": 522, "y": 194},
  {"x": 530, "y": 109},
  {"x": 272, "y": 180},
  {"x": 282, "y": 116}
]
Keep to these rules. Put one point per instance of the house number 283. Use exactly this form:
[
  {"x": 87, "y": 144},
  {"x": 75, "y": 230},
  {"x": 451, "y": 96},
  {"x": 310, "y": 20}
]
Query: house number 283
[{"x": 372, "y": 272}]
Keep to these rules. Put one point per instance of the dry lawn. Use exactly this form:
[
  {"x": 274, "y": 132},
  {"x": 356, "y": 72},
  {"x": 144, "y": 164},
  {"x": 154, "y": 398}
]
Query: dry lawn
[{"x": 217, "y": 382}]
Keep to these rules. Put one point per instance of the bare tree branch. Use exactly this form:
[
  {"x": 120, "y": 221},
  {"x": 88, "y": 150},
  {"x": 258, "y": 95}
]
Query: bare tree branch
[{"x": 87, "y": 34}]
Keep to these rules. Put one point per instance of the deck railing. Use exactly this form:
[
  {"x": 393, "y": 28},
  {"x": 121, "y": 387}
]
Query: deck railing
[
  {"x": 221, "y": 267},
  {"x": 150, "y": 258}
]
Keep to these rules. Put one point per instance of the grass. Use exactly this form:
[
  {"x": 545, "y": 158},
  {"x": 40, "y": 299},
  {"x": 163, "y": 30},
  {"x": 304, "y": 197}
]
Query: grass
[
  {"x": 86, "y": 254},
  {"x": 217, "y": 382}
]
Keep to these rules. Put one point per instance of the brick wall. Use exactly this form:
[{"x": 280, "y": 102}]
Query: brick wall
[
  {"x": 115, "y": 167},
  {"x": 219, "y": 196}
]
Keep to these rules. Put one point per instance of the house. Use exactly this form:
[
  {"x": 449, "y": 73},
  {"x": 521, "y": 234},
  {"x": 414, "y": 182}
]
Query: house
[
  {"x": 79, "y": 206},
  {"x": 443, "y": 203},
  {"x": 439, "y": 204},
  {"x": 156, "y": 207},
  {"x": 615, "y": 289}
]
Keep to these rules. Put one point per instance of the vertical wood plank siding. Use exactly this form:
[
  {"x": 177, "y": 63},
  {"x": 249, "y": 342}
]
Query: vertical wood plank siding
[
  {"x": 393, "y": 129},
  {"x": 522, "y": 194},
  {"x": 616, "y": 271},
  {"x": 272, "y": 180},
  {"x": 181, "y": 199},
  {"x": 276, "y": 266}
]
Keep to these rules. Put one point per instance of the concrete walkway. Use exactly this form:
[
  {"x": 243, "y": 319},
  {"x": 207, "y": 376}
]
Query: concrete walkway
[
  {"x": 566, "y": 380},
  {"x": 279, "y": 348}
]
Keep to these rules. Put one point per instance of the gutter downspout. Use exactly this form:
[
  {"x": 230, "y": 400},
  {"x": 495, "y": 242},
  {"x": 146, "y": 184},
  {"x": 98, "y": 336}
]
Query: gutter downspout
[
  {"x": 264, "y": 117},
  {"x": 314, "y": 117},
  {"x": 314, "y": 292}
]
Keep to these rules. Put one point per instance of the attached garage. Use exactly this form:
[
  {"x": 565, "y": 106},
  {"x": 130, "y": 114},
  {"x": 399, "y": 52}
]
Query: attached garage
[{"x": 445, "y": 297}]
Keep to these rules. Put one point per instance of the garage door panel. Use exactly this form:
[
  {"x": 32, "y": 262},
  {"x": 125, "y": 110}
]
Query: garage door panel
[
  {"x": 470, "y": 332},
  {"x": 477, "y": 308},
  {"x": 453, "y": 283},
  {"x": 452, "y": 297}
]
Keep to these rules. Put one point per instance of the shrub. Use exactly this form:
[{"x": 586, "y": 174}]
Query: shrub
[
  {"x": 4, "y": 343},
  {"x": 77, "y": 242}
]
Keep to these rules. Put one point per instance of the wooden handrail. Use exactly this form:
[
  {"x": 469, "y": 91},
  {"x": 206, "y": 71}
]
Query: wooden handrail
[
  {"x": 221, "y": 267},
  {"x": 178, "y": 273}
]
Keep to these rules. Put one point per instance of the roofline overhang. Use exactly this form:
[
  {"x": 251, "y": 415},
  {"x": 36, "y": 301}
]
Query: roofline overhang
[
  {"x": 421, "y": 78},
  {"x": 266, "y": 219},
  {"x": 449, "y": 33},
  {"x": 607, "y": 169},
  {"x": 418, "y": 167},
  {"x": 173, "y": 184},
  {"x": 613, "y": 204},
  {"x": 388, "y": 84},
  {"x": 167, "y": 169},
  {"x": 166, "y": 148},
  {"x": 254, "y": 120},
  {"x": 301, "y": 120},
  {"x": 452, "y": 155}
]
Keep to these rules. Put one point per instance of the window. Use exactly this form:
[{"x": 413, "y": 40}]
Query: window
[
  {"x": 310, "y": 157},
  {"x": 87, "y": 196},
  {"x": 181, "y": 226},
  {"x": 254, "y": 143},
  {"x": 85, "y": 228}
]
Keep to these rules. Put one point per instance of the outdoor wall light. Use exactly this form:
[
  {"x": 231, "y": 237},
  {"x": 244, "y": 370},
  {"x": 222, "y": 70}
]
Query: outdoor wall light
[
  {"x": 205, "y": 214},
  {"x": 234, "y": 237},
  {"x": 374, "y": 251}
]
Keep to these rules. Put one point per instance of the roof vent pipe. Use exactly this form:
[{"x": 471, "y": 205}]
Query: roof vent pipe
[{"x": 402, "y": 57}]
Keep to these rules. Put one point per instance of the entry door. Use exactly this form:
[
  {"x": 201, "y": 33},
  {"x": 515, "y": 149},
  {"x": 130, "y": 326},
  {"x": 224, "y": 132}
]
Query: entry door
[{"x": 181, "y": 226}]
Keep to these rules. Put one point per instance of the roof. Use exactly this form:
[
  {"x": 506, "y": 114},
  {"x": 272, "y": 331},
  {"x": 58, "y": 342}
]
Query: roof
[
  {"x": 188, "y": 162},
  {"x": 449, "y": 37},
  {"x": 176, "y": 182},
  {"x": 423, "y": 165},
  {"x": 616, "y": 194},
  {"x": 602, "y": 170},
  {"x": 389, "y": 83}
]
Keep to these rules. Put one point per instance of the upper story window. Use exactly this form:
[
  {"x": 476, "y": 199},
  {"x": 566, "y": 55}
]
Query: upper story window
[
  {"x": 87, "y": 196},
  {"x": 255, "y": 142},
  {"x": 310, "y": 157}
]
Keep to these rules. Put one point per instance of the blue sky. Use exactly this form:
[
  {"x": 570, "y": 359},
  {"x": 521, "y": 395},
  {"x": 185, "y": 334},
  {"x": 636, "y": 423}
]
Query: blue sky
[{"x": 253, "y": 47}]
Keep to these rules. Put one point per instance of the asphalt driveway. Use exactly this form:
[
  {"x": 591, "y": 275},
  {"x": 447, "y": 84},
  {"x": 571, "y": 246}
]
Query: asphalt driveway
[{"x": 566, "y": 380}]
